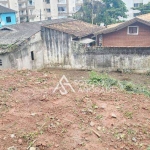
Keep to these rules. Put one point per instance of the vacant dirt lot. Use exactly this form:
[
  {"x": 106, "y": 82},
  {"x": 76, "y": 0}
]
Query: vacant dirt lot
[{"x": 86, "y": 118}]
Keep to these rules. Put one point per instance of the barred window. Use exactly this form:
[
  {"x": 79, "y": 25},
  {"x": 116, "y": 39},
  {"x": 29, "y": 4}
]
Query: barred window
[
  {"x": 0, "y": 62},
  {"x": 8, "y": 19},
  {"x": 32, "y": 55}
]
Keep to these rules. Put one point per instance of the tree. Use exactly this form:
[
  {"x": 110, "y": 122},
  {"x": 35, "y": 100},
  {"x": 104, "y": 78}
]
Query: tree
[
  {"x": 114, "y": 9},
  {"x": 87, "y": 9},
  {"x": 143, "y": 8},
  {"x": 107, "y": 11},
  {"x": 85, "y": 12}
]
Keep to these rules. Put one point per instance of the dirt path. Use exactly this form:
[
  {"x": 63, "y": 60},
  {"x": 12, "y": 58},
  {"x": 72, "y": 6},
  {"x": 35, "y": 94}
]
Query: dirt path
[{"x": 84, "y": 119}]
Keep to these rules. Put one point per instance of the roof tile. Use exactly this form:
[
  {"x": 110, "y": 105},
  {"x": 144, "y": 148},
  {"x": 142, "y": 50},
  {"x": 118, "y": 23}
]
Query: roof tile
[{"x": 75, "y": 27}]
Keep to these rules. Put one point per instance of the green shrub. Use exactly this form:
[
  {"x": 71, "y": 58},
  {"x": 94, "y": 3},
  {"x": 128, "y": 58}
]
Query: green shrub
[{"x": 102, "y": 79}]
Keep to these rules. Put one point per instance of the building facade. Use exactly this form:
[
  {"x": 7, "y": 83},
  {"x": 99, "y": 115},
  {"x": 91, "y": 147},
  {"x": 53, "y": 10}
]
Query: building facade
[
  {"x": 7, "y": 16},
  {"x": 133, "y": 4},
  {"x": 37, "y": 10},
  {"x": 61, "y": 8},
  {"x": 28, "y": 48},
  {"x": 126, "y": 38},
  {"x": 56, "y": 45},
  {"x": 132, "y": 33},
  {"x": 12, "y": 4}
]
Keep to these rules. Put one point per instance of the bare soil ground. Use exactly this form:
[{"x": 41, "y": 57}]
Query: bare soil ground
[{"x": 32, "y": 115}]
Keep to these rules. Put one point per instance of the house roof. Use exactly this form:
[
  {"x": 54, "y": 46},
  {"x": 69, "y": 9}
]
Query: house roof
[
  {"x": 145, "y": 19},
  {"x": 5, "y": 10},
  {"x": 114, "y": 25},
  {"x": 75, "y": 27},
  {"x": 18, "y": 33}
]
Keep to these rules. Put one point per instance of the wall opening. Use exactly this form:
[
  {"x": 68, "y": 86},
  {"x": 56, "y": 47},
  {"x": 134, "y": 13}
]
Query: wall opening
[
  {"x": 133, "y": 30},
  {"x": 8, "y": 19},
  {"x": 32, "y": 55},
  {"x": 0, "y": 62}
]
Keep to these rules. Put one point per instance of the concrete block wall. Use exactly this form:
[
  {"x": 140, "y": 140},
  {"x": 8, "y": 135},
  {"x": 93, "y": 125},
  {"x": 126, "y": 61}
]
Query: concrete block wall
[{"x": 113, "y": 59}]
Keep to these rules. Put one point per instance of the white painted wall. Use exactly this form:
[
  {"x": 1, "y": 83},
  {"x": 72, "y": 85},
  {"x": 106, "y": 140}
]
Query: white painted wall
[
  {"x": 54, "y": 9},
  {"x": 21, "y": 58},
  {"x": 71, "y": 6},
  {"x": 39, "y": 10},
  {"x": 4, "y": 3},
  {"x": 13, "y": 4}
]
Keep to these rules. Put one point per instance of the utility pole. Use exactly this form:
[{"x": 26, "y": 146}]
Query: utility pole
[
  {"x": 40, "y": 15},
  {"x": 92, "y": 12}
]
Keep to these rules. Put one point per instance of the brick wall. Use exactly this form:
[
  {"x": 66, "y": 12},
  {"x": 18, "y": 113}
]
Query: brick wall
[{"x": 122, "y": 39}]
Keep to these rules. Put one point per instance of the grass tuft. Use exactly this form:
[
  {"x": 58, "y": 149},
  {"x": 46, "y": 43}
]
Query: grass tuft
[{"x": 106, "y": 81}]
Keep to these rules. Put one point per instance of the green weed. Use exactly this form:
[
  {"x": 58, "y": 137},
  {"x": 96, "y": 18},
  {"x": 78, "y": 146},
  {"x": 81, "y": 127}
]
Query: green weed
[
  {"x": 29, "y": 137},
  {"x": 99, "y": 117},
  {"x": 128, "y": 114},
  {"x": 148, "y": 148},
  {"x": 106, "y": 81},
  {"x": 148, "y": 73},
  {"x": 131, "y": 132}
]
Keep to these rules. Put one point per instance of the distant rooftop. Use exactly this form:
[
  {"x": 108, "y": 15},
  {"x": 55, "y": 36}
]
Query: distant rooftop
[
  {"x": 16, "y": 34},
  {"x": 145, "y": 17},
  {"x": 5, "y": 10},
  {"x": 75, "y": 27},
  {"x": 114, "y": 25}
]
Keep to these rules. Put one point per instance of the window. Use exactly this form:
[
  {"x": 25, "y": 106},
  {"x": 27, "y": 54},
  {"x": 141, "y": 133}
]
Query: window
[
  {"x": 137, "y": 4},
  {"x": 48, "y": 10},
  {"x": 32, "y": 55},
  {"x": 47, "y": 1},
  {"x": 0, "y": 62},
  {"x": 20, "y": 5},
  {"x": 49, "y": 18},
  {"x": 62, "y": 9},
  {"x": 62, "y": 1},
  {"x": 30, "y": 2},
  {"x": 136, "y": 14},
  {"x": 133, "y": 30},
  {"x": 8, "y": 19}
]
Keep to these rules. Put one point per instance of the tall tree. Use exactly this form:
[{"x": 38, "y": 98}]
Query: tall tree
[
  {"x": 107, "y": 11},
  {"x": 143, "y": 8},
  {"x": 114, "y": 9}
]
